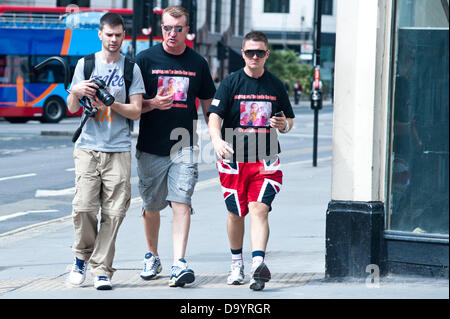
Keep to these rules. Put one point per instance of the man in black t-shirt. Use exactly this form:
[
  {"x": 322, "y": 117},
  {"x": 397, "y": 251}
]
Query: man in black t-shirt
[
  {"x": 174, "y": 77},
  {"x": 253, "y": 105}
]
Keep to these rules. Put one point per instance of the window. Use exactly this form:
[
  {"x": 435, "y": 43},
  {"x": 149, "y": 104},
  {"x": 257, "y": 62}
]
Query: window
[
  {"x": 3, "y": 70},
  {"x": 12, "y": 67},
  {"x": 53, "y": 72},
  {"x": 327, "y": 7},
  {"x": 80, "y": 3},
  {"x": 241, "y": 17},
  {"x": 417, "y": 199},
  {"x": 218, "y": 16},
  {"x": 276, "y": 6}
]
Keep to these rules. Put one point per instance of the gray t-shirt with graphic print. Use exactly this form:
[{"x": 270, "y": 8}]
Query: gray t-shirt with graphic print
[{"x": 109, "y": 131}]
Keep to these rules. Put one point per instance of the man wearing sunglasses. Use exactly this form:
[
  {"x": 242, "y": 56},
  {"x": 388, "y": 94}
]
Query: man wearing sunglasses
[
  {"x": 174, "y": 76},
  {"x": 248, "y": 163}
]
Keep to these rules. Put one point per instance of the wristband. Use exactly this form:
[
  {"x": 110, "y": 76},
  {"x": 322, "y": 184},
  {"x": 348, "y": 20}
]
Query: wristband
[{"x": 286, "y": 128}]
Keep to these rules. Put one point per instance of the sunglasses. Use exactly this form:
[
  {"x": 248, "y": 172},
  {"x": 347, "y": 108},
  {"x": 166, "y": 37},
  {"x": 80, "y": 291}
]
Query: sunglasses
[
  {"x": 169, "y": 28},
  {"x": 251, "y": 53}
]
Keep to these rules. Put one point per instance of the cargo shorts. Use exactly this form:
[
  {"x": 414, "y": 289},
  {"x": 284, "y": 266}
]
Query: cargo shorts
[{"x": 165, "y": 179}]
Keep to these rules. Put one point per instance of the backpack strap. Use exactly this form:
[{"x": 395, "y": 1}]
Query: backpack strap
[
  {"x": 128, "y": 76},
  {"x": 89, "y": 64}
]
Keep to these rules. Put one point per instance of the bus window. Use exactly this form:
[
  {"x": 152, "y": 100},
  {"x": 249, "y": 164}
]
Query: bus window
[
  {"x": 20, "y": 68},
  {"x": 3, "y": 77},
  {"x": 53, "y": 72},
  {"x": 73, "y": 60},
  {"x": 13, "y": 66}
]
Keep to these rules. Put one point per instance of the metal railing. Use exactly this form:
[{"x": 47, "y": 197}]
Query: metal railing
[{"x": 40, "y": 20}]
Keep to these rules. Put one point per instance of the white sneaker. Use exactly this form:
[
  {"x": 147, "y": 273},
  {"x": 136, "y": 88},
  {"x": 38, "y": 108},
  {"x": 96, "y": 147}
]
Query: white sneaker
[
  {"x": 236, "y": 274},
  {"x": 152, "y": 266},
  {"x": 102, "y": 283},
  {"x": 77, "y": 274}
]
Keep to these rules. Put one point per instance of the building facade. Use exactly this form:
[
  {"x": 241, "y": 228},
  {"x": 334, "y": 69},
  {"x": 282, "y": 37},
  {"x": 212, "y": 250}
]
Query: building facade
[
  {"x": 389, "y": 206},
  {"x": 289, "y": 25}
]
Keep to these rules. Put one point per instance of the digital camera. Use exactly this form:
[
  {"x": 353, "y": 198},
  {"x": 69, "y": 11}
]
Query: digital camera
[{"x": 102, "y": 93}]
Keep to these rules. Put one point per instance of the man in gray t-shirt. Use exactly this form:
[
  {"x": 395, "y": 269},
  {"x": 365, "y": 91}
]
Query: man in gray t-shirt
[
  {"x": 109, "y": 131},
  {"x": 102, "y": 156}
]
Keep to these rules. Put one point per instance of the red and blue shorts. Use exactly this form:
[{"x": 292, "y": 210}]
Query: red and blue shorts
[{"x": 243, "y": 183}]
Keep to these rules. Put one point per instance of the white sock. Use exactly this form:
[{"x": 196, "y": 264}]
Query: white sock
[
  {"x": 180, "y": 263},
  {"x": 257, "y": 260}
]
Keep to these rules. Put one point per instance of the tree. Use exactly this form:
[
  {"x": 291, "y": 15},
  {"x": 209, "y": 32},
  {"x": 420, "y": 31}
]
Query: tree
[{"x": 284, "y": 64}]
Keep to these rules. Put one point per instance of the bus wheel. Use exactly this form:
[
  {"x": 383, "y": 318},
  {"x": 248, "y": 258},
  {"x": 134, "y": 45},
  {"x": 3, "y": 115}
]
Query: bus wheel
[{"x": 54, "y": 110}]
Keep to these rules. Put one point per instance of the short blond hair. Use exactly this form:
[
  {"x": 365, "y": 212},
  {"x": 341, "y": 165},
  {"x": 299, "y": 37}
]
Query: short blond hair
[{"x": 176, "y": 12}]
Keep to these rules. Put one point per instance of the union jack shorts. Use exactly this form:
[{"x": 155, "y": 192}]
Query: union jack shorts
[{"x": 243, "y": 183}]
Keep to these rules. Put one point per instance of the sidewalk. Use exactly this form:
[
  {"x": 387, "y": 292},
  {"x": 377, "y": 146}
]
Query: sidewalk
[{"x": 35, "y": 263}]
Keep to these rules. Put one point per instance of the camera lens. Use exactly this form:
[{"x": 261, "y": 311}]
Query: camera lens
[
  {"x": 102, "y": 93},
  {"x": 105, "y": 97}
]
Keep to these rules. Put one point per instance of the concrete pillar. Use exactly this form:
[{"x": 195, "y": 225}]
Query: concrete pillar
[{"x": 355, "y": 215}]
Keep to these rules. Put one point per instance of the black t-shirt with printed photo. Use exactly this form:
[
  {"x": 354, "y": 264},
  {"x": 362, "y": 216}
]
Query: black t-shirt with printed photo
[
  {"x": 246, "y": 105},
  {"x": 188, "y": 77}
]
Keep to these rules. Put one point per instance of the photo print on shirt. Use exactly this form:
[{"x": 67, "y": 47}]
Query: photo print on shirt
[
  {"x": 176, "y": 85},
  {"x": 255, "y": 113}
]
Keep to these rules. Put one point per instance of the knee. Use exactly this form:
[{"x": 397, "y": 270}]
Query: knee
[
  {"x": 180, "y": 209},
  {"x": 259, "y": 211},
  {"x": 235, "y": 219}
]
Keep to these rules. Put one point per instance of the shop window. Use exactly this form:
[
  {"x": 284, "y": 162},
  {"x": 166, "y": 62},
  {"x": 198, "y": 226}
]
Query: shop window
[{"x": 418, "y": 186}]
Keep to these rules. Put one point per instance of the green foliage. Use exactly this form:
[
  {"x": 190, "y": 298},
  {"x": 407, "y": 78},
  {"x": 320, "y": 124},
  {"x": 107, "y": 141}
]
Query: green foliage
[{"x": 284, "y": 64}]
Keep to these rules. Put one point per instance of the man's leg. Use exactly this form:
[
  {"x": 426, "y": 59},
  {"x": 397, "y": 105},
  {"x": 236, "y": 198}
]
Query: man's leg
[
  {"x": 259, "y": 236},
  {"x": 115, "y": 171},
  {"x": 181, "y": 222},
  {"x": 180, "y": 229},
  {"x": 85, "y": 209},
  {"x": 152, "y": 172},
  {"x": 259, "y": 228},
  {"x": 151, "y": 222},
  {"x": 235, "y": 230},
  {"x": 182, "y": 177},
  {"x": 152, "y": 264}
]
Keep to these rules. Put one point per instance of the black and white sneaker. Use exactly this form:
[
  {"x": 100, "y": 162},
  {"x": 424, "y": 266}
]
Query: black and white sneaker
[
  {"x": 260, "y": 275},
  {"x": 180, "y": 274}
]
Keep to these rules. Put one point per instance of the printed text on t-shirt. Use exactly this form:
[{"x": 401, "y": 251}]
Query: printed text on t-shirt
[{"x": 174, "y": 72}]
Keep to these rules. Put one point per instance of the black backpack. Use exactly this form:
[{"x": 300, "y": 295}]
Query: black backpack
[{"x": 89, "y": 64}]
